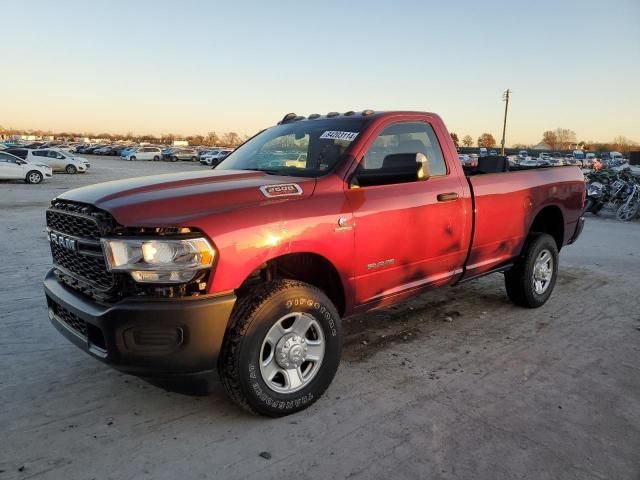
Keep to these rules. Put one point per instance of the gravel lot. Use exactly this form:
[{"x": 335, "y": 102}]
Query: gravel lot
[{"x": 457, "y": 383}]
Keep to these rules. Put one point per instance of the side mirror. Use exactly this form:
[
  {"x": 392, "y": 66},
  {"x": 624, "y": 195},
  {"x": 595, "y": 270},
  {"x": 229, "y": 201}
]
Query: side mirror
[{"x": 396, "y": 168}]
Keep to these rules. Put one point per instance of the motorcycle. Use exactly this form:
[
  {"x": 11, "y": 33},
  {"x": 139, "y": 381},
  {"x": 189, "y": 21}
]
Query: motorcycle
[
  {"x": 628, "y": 210},
  {"x": 596, "y": 198}
]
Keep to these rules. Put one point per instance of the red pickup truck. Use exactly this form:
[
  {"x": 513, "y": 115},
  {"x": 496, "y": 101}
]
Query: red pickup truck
[{"x": 247, "y": 269}]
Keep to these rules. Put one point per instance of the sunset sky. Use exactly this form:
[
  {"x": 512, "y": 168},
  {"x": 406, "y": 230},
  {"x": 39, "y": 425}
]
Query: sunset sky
[{"x": 190, "y": 67}]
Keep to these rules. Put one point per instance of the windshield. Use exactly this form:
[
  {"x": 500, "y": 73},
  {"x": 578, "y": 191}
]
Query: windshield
[{"x": 304, "y": 148}]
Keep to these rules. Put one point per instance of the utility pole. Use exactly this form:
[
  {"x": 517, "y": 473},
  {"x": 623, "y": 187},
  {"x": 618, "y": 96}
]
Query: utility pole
[{"x": 505, "y": 98}]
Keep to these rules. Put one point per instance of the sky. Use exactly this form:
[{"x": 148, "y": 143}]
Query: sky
[{"x": 190, "y": 67}]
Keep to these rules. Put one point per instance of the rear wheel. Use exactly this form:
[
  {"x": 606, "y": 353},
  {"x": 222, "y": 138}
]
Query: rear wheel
[
  {"x": 174, "y": 159},
  {"x": 71, "y": 169},
  {"x": 194, "y": 159},
  {"x": 132, "y": 158},
  {"x": 531, "y": 280},
  {"x": 282, "y": 349},
  {"x": 33, "y": 177},
  {"x": 156, "y": 158}
]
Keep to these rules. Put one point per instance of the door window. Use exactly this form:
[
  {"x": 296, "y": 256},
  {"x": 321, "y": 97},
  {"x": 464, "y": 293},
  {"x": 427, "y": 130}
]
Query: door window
[
  {"x": 405, "y": 138},
  {"x": 7, "y": 158}
]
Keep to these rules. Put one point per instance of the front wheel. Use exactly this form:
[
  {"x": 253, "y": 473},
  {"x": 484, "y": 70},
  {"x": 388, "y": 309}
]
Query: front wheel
[
  {"x": 132, "y": 158},
  {"x": 531, "y": 280},
  {"x": 156, "y": 158},
  {"x": 71, "y": 169},
  {"x": 628, "y": 211},
  {"x": 282, "y": 349},
  {"x": 34, "y": 177}
]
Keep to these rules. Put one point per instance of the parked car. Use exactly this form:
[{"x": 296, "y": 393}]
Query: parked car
[
  {"x": 214, "y": 157},
  {"x": 544, "y": 156},
  {"x": 248, "y": 269},
  {"x": 168, "y": 152},
  {"x": 14, "y": 168},
  {"x": 145, "y": 153},
  {"x": 493, "y": 152},
  {"x": 92, "y": 148},
  {"x": 19, "y": 152},
  {"x": 59, "y": 161},
  {"x": 184, "y": 154},
  {"x": 125, "y": 152},
  {"x": 523, "y": 154}
]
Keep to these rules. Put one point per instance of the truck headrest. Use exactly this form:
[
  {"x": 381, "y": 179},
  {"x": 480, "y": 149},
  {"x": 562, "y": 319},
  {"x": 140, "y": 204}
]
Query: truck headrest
[{"x": 493, "y": 164}]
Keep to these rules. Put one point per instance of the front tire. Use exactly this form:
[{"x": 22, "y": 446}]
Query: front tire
[
  {"x": 34, "y": 177},
  {"x": 71, "y": 169},
  {"x": 532, "y": 279},
  {"x": 132, "y": 158},
  {"x": 156, "y": 158},
  {"x": 282, "y": 349}
]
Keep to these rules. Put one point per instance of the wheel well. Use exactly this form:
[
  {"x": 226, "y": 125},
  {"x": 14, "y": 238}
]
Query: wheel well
[
  {"x": 549, "y": 220},
  {"x": 306, "y": 267}
]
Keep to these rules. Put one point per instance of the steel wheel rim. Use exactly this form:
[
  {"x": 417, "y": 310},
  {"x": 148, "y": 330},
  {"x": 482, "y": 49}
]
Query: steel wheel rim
[
  {"x": 542, "y": 272},
  {"x": 292, "y": 352},
  {"x": 34, "y": 178}
]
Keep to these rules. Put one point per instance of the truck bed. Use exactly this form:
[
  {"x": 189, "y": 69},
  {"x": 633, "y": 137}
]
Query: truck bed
[{"x": 500, "y": 198}]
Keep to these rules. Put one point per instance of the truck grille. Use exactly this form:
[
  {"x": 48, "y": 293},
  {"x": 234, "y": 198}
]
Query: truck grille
[{"x": 84, "y": 262}]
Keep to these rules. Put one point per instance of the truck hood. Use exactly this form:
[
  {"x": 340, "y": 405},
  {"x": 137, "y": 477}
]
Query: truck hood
[{"x": 175, "y": 199}]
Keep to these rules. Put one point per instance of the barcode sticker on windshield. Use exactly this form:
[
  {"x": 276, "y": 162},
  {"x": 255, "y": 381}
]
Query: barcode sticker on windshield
[{"x": 334, "y": 135}]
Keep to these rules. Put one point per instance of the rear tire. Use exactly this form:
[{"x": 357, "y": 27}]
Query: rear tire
[
  {"x": 174, "y": 159},
  {"x": 194, "y": 159},
  {"x": 282, "y": 348},
  {"x": 33, "y": 177},
  {"x": 531, "y": 280},
  {"x": 156, "y": 158},
  {"x": 132, "y": 158},
  {"x": 71, "y": 169}
]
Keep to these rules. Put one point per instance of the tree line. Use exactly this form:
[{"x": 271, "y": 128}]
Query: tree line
[
  {"x": 231, "y": 139},
  {"x": 558, "y": 139}
]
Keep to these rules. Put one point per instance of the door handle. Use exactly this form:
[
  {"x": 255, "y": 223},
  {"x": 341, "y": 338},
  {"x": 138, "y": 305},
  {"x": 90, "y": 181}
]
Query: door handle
[{"x": 447, "y": 197}]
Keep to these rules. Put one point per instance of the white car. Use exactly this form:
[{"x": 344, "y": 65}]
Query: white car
[
  {"x": 14, "y": 168},
  {"x": 58, "y": 160},
  {"x": 214, "y": 157},
  {"x": 529, "y": 163},
  {"x": 145, "y": 153}
]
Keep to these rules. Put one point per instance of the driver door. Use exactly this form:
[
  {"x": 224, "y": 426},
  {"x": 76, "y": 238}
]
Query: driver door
[{"x": 412, "y": 234}]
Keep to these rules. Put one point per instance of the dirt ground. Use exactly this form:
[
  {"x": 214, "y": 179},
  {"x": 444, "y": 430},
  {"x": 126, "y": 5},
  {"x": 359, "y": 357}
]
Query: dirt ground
[{"x": 455, "y": 384}]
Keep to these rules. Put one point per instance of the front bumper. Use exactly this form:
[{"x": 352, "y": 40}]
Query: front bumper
[{"x": 146, "y": 337}]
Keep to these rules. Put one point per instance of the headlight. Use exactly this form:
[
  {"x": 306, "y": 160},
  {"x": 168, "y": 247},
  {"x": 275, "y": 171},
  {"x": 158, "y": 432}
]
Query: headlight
[{"x": 158, "y": 260}]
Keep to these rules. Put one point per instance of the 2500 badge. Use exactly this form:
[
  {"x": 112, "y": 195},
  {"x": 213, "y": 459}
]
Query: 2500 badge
[{"x": 282, "y": 190}]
